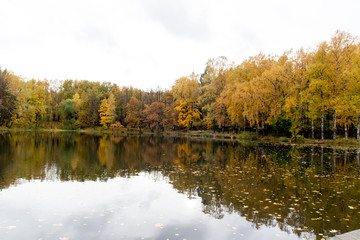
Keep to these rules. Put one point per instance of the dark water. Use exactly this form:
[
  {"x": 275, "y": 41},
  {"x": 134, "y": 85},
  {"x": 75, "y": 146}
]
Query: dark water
[{"x": 78, "y": 186}]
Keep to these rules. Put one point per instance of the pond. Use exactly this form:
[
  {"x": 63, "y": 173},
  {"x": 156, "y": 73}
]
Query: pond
[{"x": 88, "y": 186}]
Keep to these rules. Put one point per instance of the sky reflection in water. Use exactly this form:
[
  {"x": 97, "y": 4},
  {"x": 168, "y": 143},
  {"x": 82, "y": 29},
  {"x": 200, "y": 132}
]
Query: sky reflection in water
[{"x": 139, "y": 207}]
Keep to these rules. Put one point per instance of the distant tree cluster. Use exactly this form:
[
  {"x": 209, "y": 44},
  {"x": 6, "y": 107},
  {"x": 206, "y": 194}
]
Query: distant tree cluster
[{"x": 314, "y": 93}]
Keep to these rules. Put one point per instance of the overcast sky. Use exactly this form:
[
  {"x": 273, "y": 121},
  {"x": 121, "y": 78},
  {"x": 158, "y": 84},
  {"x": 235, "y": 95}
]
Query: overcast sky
[{"x": 150, "y": 43}]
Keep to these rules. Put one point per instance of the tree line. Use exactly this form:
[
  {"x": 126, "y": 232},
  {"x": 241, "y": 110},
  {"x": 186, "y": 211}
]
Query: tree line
[{"x": 314, "y": 93}]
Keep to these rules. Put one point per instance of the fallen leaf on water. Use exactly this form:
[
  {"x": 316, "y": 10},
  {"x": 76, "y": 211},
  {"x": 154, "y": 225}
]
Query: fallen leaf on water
[{"x": 159, "y": 225}]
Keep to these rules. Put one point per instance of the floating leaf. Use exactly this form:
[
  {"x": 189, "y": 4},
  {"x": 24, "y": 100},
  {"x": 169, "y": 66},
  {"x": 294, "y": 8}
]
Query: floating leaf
[{"x": 159, "y": 225}]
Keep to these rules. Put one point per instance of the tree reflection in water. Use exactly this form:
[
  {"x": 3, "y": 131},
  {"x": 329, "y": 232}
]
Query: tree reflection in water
[{"x": 312, "y": 189}]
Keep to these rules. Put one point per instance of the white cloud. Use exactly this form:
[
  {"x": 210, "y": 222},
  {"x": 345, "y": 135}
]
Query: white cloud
[
  {"x": 179, "y": 18},
  {"x": 146, "y": 43}
]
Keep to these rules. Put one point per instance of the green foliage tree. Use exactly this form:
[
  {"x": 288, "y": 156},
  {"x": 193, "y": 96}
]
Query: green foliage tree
[{"x": 69, "y": 110}]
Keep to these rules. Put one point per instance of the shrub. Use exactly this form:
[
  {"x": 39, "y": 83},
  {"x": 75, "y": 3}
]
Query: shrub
[
  {"x": 70, "y": 124},
  {"x": 283, "y": 139},
  {"x": 299, "y": 139},
  {"x": 248, "y": 136},
  {"x": 116, "y": 126}
]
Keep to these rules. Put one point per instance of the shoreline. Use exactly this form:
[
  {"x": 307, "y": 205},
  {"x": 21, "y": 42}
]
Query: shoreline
[{"x": 244, "y": 137}]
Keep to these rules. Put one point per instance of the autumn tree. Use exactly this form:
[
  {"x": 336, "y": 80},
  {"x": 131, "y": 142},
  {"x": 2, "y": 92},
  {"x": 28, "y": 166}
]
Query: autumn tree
[
  {"x": 134, "y": 116},
  {"x": 296, "y": 103},
  {"x": 105, "y": 117},
  {"x": 107, "y": 111},
  {"x": 354, "y": 77},
  {"x": 221, "y": 115},
  {"x": 92, "y": 113},
  {"x": 275, "y": 83},
  {"x": 186, "y": 89},
  {"x": 319, "y": 92},
  {"x": 186, "y": 94},
  {"x": 112, "y": 107},
  {"x": 7, "y": 99},
  {"x": 249, "y": 92},
  {"x": 232, "y": 96},
  {"x": 37, "y": 101},
  {"x": 188, "y": 113},
  {"x": 154, "y": 116},
  {"x": 171, "y": 115},
  {"x": 341, "y": 52},
  {"x": 212, "y": 84}
]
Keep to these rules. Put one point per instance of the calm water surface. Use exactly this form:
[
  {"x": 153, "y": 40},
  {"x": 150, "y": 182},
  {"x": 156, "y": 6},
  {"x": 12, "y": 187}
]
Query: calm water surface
[{"x": 78, "y": 186}]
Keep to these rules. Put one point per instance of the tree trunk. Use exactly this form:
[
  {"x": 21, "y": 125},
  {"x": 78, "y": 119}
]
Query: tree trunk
[
  {"x": 334, "y": 136},
  {"x": 244, "y": 124},
  {"x": 358, "y": 129},
  {"x": 262, "y": 124},
  {"x": 322, "y": 125},
  {"x": 303, "y": 124},
  {"x": 346, "y": 133},
  {"x": 312, "y": 129},
  {"x": 358, "y": 161}
]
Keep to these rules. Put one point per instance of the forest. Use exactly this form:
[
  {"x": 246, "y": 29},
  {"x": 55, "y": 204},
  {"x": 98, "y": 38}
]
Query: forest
[{"x": 312, "y": 93}]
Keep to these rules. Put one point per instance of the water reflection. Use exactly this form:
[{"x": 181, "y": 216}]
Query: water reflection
[
  {"x": 116, "y": 209},
  {"x": 308, "y": 192}
]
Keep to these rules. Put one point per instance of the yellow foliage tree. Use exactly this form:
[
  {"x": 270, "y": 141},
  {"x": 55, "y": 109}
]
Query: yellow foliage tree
[
  {"x": 188, "y": 112},
  {"x": 105, "y": 114}
]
